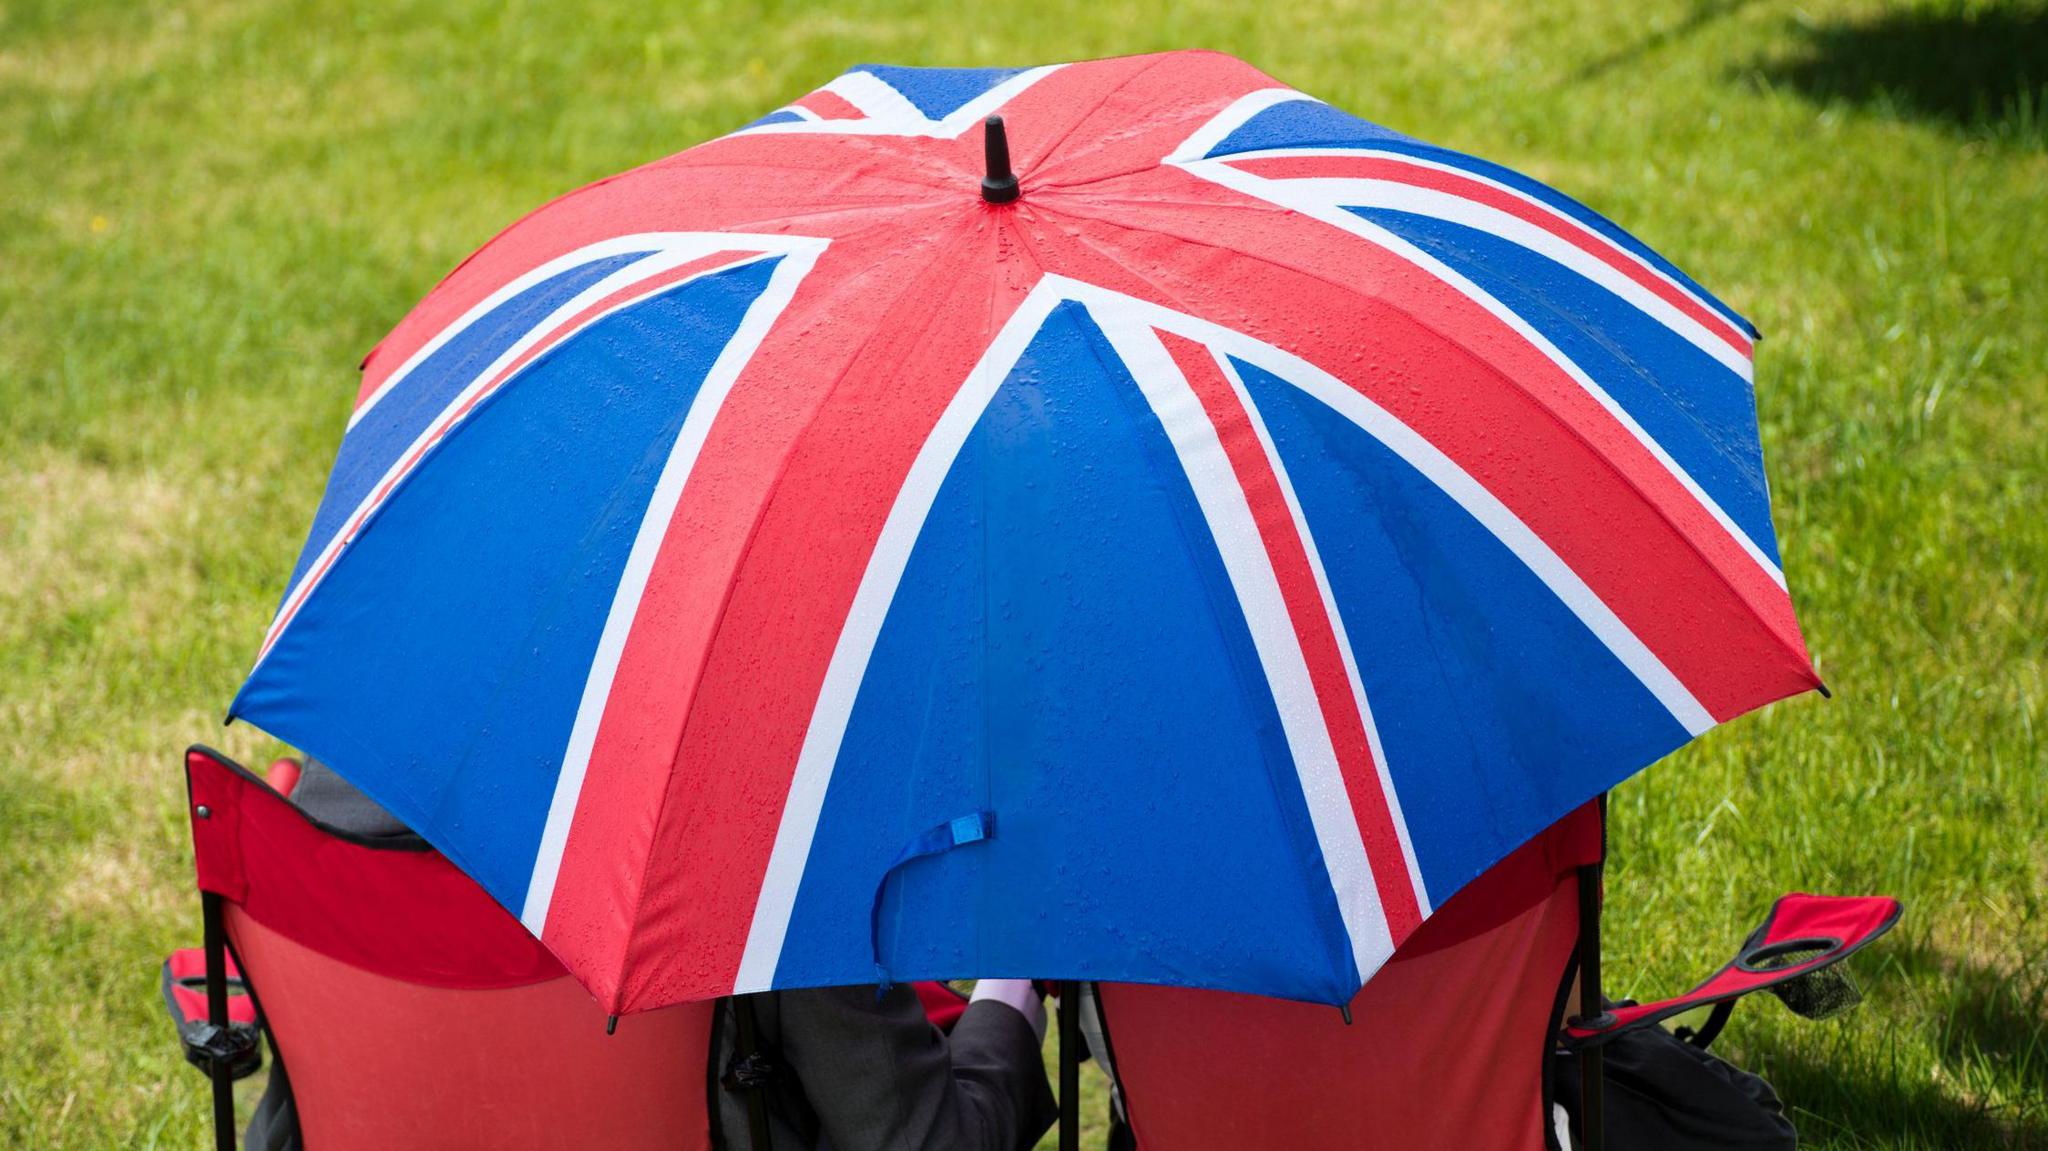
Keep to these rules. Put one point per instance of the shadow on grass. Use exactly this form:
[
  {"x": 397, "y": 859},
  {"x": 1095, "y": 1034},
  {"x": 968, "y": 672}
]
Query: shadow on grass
[
  {"x": 1990, "y": 1014},
  {"x": 1831, "y": 1109},
  {"x": 1703, "y": 13},
  {"x": 1989, "y": 1027},
  {"x": 1981, "y": 71}
]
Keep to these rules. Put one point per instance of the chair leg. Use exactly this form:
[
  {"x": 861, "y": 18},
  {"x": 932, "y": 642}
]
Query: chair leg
[
  {"x": 220, "y": 1072},
  {"x": 1592, "y": 1062}
]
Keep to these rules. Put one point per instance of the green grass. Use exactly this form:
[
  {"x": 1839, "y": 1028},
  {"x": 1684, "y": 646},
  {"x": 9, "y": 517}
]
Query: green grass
[{"x": 210, "y": 210}]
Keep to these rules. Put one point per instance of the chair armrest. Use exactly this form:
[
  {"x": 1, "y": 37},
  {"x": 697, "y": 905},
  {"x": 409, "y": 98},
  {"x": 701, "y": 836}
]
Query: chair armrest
[
  {"x": 184, "y": 992},
  {"x": 1790, "y": 955}
]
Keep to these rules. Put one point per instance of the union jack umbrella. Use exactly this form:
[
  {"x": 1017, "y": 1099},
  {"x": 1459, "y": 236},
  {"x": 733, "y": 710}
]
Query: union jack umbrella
[{"x": 1186, "y": 555}]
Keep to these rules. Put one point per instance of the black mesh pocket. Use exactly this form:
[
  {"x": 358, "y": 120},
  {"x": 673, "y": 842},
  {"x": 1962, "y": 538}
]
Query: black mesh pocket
[{"x": 1819, "y": 994}]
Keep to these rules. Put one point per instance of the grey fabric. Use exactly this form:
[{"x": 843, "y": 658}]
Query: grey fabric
[
  {"x": 275, "y": 1124},
  {"x": 335, "y": 802},
  {"x": 862, "y": 1073}
]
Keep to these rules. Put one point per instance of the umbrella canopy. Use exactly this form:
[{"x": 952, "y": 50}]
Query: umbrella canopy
[{"x": 1191, "y": 564}]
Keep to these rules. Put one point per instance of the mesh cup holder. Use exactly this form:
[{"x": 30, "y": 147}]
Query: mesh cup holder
[{"x": 1819, "y": 994}]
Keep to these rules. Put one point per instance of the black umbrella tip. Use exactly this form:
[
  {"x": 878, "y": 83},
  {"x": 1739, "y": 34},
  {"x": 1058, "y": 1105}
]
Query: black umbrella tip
[
  {"x": 999, "y": 186},
  {"x": 611, "y": 1024}
]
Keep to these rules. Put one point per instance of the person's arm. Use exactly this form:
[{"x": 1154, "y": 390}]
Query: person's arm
[
  {"x": 1020, "y": 994},
  {"x": 880, "y": 1077}
]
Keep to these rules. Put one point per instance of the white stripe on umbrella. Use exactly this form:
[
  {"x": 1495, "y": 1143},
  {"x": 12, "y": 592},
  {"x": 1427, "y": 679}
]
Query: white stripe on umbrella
[
  {"x": 1447, "y": 475},
  {"x": 1342, "y": 192},
  {"x": 1259, "y": 598},
  {"x": 668, "y": 489},
  {"x": 1315, "y": 563},
  {"x": 1277, "y": 192},
  {"x": 820, "y": 752},
  {"x": 667, "y": 251},
  {"x": 1239, "y": 113}
]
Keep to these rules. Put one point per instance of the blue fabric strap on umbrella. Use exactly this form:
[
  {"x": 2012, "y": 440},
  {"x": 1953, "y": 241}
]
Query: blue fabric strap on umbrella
[{"x": 955, "y": 832}]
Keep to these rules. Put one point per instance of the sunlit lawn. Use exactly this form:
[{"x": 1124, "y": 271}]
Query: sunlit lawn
[{"x": 209, "y": 211}]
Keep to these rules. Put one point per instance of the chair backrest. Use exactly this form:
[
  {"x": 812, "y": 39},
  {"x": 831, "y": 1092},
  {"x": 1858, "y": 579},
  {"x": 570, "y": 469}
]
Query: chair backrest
[
  {"x": 411, "y": 1011},
  {"x": 1446, "y": 1049}
]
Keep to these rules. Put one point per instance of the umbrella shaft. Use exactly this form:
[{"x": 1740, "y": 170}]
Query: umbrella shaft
[{"x": 1070, "y": 1066}]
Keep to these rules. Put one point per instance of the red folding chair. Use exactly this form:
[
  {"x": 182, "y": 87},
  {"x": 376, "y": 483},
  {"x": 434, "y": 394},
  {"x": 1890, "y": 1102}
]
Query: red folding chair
[
  {"x": 1445, "y": 1047},
  {"x": 410, "y": 1009},
  {"x": 1451, "y": 1044}
]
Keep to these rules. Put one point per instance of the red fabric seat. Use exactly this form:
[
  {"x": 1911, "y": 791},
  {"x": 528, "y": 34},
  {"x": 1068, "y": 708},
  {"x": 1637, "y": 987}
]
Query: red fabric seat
[
  {"x": 380, "y": 1062},
  {"x": 411, "y": 1011},
  {"x": 1446, "y": 1048}
]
